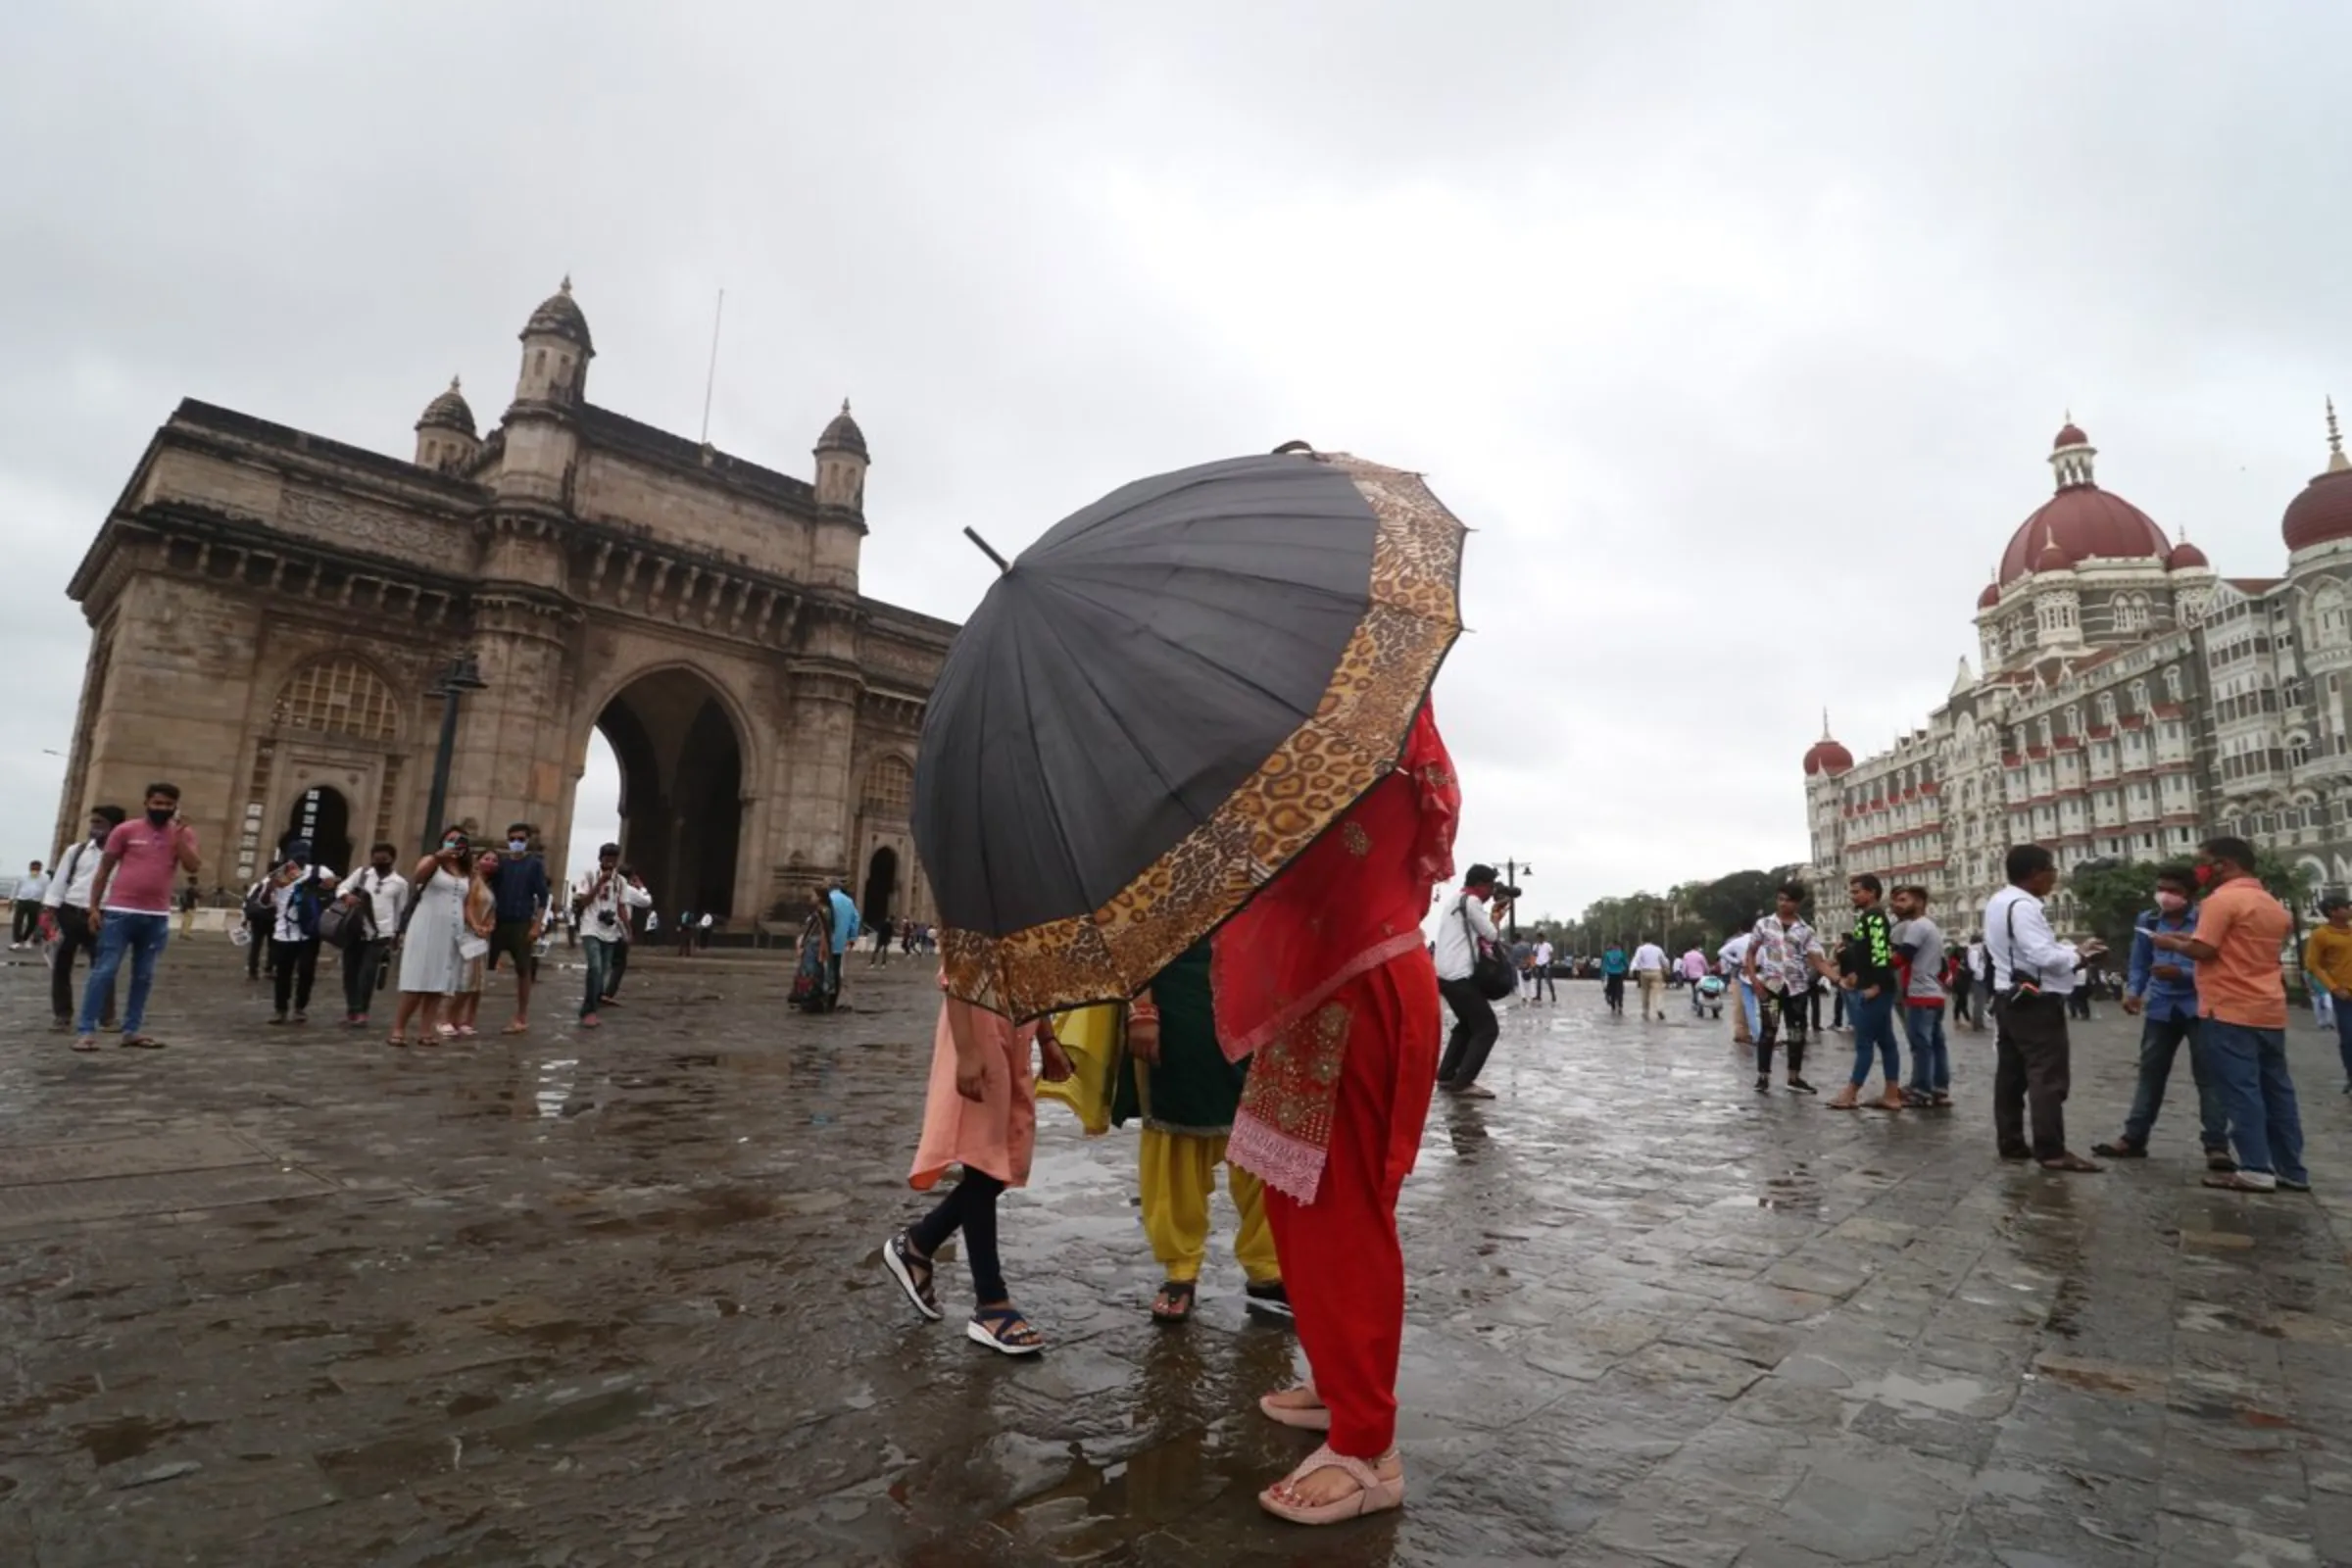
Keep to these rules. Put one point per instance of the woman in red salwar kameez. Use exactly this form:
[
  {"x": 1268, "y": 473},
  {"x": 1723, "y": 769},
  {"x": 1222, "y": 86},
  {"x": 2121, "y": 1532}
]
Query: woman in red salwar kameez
[{"x": 1325, "y": 979}]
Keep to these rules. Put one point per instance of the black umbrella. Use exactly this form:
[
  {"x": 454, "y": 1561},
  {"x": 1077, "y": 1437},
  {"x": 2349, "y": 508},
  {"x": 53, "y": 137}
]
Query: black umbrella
[{"x": 1162, "y": 702}]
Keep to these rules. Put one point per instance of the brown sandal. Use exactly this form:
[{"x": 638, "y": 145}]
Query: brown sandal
[{"x": 2071, "y": 1162}]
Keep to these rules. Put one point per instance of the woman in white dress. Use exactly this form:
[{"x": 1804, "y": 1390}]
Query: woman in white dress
[{"x": 429, "y": 949}]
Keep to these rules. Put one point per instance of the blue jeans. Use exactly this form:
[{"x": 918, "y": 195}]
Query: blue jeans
[
  {"x": 2264, "y": 1123},
  {"x": 600, "y": 965},
  {"x": 1873, "y": 1018},
  {"x": 2343, "y": 1037},
  {"x": 1931, "y": 1060},
  {"x": 144, "y": 935},
  {"x": 2160, "y": 1041}
]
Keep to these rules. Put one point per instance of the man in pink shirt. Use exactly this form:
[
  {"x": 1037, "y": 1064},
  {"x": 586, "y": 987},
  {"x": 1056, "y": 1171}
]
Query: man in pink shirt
[{"x": 130, "y": 908}]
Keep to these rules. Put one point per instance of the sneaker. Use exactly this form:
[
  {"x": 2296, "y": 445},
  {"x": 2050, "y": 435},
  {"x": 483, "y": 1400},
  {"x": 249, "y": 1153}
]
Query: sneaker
[
  {"x": 1473, "y": 1092},
  {"x": 1763, "y": 1084},
  {"x": 277, "y": 1020},
  {"x": 1797, "y": 1086},
  {"x": 2287, "y": 1186},
  {"x": 2243, "y": 1181},
  {"x": 1270, "y": 1299},
  {"x": 2218, "y": 1160},
  {"x": 302, "y": 1018}
]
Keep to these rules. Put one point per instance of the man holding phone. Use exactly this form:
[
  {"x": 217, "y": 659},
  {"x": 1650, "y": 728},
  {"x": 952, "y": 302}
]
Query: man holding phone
[{"x": 131, "y": 909}]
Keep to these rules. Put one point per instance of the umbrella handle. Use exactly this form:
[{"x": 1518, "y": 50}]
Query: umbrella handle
[{"x": 1306, "y": 449}]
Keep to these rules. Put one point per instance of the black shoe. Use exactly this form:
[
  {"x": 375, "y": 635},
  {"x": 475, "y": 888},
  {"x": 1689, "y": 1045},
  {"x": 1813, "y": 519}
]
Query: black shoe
[
  {"x": 277, "y": 1020},
  {"x": 1763, "y": 1085},
  {"x": 2120, "y": 1149},
  {"x": 2218, "y": 1160},
  {"x": 1271, "y": 1300},
  {"x": 2287, "y": 1186},
  {"x": 2017, "y": 1154},
  {"x": 1797, "y": 1086}
]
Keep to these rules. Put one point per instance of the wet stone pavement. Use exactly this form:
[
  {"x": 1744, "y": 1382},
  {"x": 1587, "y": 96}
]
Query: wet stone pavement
[{"x": 291, "y": 1298}]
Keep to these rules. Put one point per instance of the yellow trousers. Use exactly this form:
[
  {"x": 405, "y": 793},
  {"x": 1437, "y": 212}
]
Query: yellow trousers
[{"x": 1179, "y": 1172}]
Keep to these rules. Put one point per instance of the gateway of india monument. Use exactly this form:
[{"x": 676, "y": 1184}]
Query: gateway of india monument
[
  {"x": 2131, "y": 702},
  {"x": 273, "y": 615}
]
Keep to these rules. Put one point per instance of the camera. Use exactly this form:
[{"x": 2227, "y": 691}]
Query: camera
[{"x": 1503, "y": 889}]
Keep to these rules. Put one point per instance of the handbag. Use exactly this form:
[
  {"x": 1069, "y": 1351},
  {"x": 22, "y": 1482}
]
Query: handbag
[
  {"x": 471, "y": 946},
  {"x": 1490, "y": 971}
]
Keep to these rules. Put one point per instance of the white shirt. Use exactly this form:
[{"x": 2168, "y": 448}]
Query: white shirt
[
  {"x": 1733, "y": 954},
  {"x": 71, "y": 886},
  {"x": 31, "y": 889},
  {"x": 2047, "y": 962},
  {"x": 1649, "y": 956},
  {"x": 1542, "y": 955},
  {"x": 616, "y": 897},
  {"x": 1455, "y": 956},
  {"x": 387, "y": 895},
  {"x": 1975, "y": 962}
]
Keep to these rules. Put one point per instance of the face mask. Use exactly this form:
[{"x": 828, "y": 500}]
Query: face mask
[
  {"x": 518, "y": 845},
  {"x": 2171, "y": 902},
  {"x": 161, "y": 819}
]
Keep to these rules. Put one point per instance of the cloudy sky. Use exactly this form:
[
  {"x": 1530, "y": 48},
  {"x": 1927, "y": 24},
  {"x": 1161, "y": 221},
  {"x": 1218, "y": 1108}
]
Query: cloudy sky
[{"x": 1738, "y": 332}]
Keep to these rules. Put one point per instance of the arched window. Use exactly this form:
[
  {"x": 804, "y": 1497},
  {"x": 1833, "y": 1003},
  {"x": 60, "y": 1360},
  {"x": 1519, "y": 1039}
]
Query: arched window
[
  {"x": 2107, "y": 709},
  {"x": 2140, "y": 697},
  {"x": 2171, "y": 682},
  {"x": 2330, "y": 625},
  {"x": 888, "y": 789},
  {"x": 338, "y": 696}
]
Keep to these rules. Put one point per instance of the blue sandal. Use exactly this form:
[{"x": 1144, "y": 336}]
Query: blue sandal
[{"x": 1004, "y": 1330}]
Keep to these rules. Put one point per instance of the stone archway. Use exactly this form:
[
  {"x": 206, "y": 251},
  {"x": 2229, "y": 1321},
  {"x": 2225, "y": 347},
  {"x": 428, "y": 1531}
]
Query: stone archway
[
  {"x": 321, "y": 815},
  {"x": 881, "y": 887},
  {"x": 681, "y": 765}
]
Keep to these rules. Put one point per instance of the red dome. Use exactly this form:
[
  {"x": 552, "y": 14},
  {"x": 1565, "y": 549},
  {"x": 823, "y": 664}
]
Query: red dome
[
  {"x": 1990, "y": 596},
  {"x": 2070, "y": 434},
  {"x": 2086, "y": 523},
  {"x": 1828, "y": 757},
  {"x": 2323, "y": 511},
  {"x": 2186, "y": 555}
]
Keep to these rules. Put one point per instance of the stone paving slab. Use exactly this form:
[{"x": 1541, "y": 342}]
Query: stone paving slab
[{"x": 613, "y": 1299}]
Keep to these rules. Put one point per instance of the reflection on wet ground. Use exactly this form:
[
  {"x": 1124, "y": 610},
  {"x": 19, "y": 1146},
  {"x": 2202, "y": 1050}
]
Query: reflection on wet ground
[{"x": 274, "y": 1298}]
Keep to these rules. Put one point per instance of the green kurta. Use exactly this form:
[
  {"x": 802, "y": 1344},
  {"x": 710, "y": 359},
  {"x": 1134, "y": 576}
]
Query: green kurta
[{"x": 1193, "y": 1091}]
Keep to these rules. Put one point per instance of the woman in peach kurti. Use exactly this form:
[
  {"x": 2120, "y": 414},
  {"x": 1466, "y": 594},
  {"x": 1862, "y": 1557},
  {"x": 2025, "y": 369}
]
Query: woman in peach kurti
[{"x": 979, "y": 1113}]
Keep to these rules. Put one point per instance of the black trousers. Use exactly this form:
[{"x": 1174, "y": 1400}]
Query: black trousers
[
  {"x": 1772, "y": 1011},
  {"x": 1475, "y": 1030},
  {"x": 2030, "y": 1075},
  {"x": 72, "y": 936},
  {"x": 972, "y": 1210},
  {"x": 27, "y": 920},
  {"x": 258, "y": 927},
  {"x": 1612, "y": 991},
  {"x": 363, "y": 965},
  {"x": 615, "y": 966},
  {"x": 1539, "y": 981},
  {"x": 294, "y": 966}
]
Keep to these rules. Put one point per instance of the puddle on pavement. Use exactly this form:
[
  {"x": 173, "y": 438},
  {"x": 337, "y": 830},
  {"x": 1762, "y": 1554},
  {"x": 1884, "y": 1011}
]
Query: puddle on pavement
[
  {"x": 1949, "y": 1396},
  {"x": 113, "y": 1441}
]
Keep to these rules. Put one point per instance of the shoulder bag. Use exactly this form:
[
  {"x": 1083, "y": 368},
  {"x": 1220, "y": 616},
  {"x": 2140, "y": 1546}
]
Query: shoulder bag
[{"x": 1490, "y": 971}]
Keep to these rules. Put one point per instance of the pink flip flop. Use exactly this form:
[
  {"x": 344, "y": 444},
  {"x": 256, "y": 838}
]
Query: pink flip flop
[
  {"x": 1306, "y": 1417},
  {"x": 1374, "y": 1495}
]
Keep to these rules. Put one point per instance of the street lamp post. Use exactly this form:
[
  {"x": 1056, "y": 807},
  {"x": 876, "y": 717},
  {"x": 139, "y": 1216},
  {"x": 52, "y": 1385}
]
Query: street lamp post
[{"x": 461, "y": 676}]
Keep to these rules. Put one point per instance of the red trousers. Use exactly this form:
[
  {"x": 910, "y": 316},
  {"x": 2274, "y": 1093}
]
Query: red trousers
[{"x": 1341, "y": 1261}]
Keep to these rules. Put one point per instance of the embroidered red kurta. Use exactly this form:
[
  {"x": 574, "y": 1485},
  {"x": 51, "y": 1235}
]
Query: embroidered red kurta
[{"x": 1326, "y": 979}]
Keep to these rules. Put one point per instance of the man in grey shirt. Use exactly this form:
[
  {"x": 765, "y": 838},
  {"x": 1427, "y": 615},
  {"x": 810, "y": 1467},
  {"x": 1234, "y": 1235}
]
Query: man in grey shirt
[{"x": 1918, "y": 941}]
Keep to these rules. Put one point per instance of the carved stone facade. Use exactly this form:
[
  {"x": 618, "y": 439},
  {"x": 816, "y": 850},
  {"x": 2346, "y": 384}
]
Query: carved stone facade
[
  {"x": 2132, "y": 704},
  {"x": 270, "y": 611}
]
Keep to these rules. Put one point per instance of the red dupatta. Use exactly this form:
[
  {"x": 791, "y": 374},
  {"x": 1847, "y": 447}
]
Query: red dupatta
[{"x": 1351, "y": 902}]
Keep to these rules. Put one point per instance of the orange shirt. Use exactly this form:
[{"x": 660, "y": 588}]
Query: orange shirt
[{"x": 2244, "y": 926}]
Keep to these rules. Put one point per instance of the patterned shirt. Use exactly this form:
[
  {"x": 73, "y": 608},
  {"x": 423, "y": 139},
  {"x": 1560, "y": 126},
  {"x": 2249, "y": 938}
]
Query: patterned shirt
[{"x": 1781, "y": 952}]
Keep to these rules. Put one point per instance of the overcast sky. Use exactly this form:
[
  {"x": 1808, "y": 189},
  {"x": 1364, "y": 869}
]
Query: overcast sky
[{"x": 1739, "y": 332}]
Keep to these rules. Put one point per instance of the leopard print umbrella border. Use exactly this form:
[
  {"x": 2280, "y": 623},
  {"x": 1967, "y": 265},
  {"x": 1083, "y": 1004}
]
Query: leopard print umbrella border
[{"x": 1350, "y": 744}]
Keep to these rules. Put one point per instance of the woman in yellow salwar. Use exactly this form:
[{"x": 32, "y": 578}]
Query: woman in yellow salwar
[
  {"x": 1174, "y": 1076},
  {"x": 1156, "y": 1060}
]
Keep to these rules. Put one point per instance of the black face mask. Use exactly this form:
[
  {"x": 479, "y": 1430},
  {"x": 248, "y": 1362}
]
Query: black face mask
[{"x": 161, "y": 819}]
